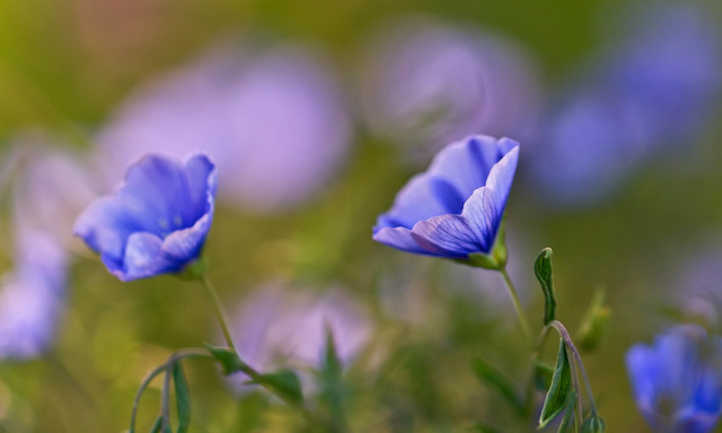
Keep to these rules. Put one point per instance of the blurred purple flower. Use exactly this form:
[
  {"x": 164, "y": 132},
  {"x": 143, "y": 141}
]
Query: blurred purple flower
[
  {"x": 276, "y": 327},
  {"x": 274, "y": 122},
  {"x": 697, "y": 283},
  {"x": 157, "y": 221},
  {"x": 678, "y": 380},
  {"x": 656, "y": 89},
  {"x": 588, "y": 146},
  {"x": 49, "y": 189},
  {"x": 424, "y": 83},
  {"x": 672, "y": 66},
  {"x": 455, "y": 208},
  {"x": 31, "y": 297}
]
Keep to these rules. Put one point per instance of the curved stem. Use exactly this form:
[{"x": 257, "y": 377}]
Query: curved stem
[
  {"x": 220, "y": 314},
  {"x": 517, "y": 304},
  {"x": 577, "y": 359}
]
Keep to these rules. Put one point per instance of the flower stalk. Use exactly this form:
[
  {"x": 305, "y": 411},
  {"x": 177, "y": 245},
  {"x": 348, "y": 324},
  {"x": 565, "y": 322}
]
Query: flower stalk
[{"x": 517, "y": 303}]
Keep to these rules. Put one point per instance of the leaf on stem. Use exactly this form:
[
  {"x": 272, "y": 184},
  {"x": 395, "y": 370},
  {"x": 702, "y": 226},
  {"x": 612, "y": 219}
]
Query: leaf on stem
[
  {"x": 229, "y": 360},
  {"x": 543, "y": 272},
  {"x": 557, "y": 396},
  {"x": 182, "y": 395},
  {"x": 283, "y": 383}
]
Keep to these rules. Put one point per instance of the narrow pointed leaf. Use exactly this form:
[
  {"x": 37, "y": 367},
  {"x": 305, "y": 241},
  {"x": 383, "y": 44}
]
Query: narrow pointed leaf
[
  {"x": 483, "y": 428},
  {"x": 183, "y": 398},
  {"x": 594, "y": 323},
  {"x": 556, "y": 398},
  {"x": 283, "y": 383},
  {"x": 543, "y": 272},
  {"x": 230, "y": 362},
  {"x": 494, "y": 379}
]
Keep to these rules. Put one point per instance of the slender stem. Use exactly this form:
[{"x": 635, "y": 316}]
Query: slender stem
[
  {"x": 220, "y": 314},
  {"x": 517, "y": 304}
]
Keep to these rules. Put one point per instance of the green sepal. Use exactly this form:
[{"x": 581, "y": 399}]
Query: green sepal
[
  {"x": 494, "y": 379},
  {"x": 594, "y": 323},
  {"x": 543, "y": 272},
  {"x": 496, "y": 259},
  {"x": 561, "y": 386},
  {"x": 283, "y": 383},
  {"x": 182, "y": 396},
  {"x": 593, "y": 424},
  {"x": 229, "y": 360},
  {"x": 194, "y": 270}
]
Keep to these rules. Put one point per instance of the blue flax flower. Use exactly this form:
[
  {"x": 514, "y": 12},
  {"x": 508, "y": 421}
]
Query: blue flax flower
[
  {"x": 157, "y": 220},
  {"x": 678, "y": 380},
  {"x": 455, "y": 208}
]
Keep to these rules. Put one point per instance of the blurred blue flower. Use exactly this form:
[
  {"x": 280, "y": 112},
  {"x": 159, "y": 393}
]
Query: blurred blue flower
[
  {"x": 672, "y": 66},
  {"x": 272, "y": 118},
  {"x": 588, "y": 146},
  {"x": 652, "y": 90},
  {"x": 277, "y": 327},
  {"x": 49, "y": 189},
  {"x": 455, "y": 208},
  {"x": 678, "y": 380},
  {"x": 157, "y": 220},
  {"x": 31, "y": 298},
  {"x": 424, "y": 84}
]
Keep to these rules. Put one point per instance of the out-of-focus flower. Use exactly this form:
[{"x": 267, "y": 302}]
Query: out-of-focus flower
[
  {"x": 273, "y": 120},
  {"x": 656, "y": 88},
  {"x": 157, "y": 221},
  {"x": 425, "y": 84},
  {"x": 697, "y": 283},
  {"x": 455, "y": 208},
  {"x": 587, "y": 147},
  {"x": 277, "y": 328},
  {"x": 672, "y": 66},
  {"x": 50, "y": 187},
  {"x": 31, "y": 297},
  {"x": 678, "y": 380}
]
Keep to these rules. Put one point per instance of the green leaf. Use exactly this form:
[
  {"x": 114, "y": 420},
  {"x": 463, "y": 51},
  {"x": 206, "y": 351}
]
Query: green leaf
[
  {"x": 283, "y": 383},
  {"x": 594, "y": 323},
  {"x": 331, "y": 362},
  {"x": 593, "y": 424},
  {"x": 567, "y": 424},
  {"x": 182, "y": 396},
  {"x": 543, "y": 272},
  {"x": 492, "y": 377},
  {"x": 542, "y": 375},
  {"x": 228, "y": 359},
  {"x": 556, "y": 398}
]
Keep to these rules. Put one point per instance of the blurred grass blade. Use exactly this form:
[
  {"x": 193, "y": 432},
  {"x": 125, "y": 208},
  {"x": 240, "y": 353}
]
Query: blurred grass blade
[
  {"x": 493, "y": 378},
  {"x": 593, "y": 424},
  {"x": 594, "y": 323},
  {"x": 543, "y": 373},
  {"x": 556, "y": 398},
  {"x": 182, "y": 395},
  {"x": 543, "y": 272},
  {"x": 483, "y": 428}
]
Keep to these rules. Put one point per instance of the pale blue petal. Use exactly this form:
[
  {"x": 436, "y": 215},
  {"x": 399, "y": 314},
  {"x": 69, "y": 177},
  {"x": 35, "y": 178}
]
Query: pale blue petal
[
  {"x": 484, "y": 210},
  {"x": 400, "y": 238},
  {"x": 144, "y": 257},
  {"x": 415, "y": 202},
  {"x": 184, "y": 245},
  {"x": 446, "y": 235}
]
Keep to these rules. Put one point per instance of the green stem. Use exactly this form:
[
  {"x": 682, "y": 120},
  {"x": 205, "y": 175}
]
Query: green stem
[
  {"x": 517, "y": 304},
  {"x": 220, "y": 314}
]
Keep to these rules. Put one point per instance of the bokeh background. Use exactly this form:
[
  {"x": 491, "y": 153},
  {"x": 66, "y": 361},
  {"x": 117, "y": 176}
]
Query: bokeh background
[{"x": 317, "y": 113}]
